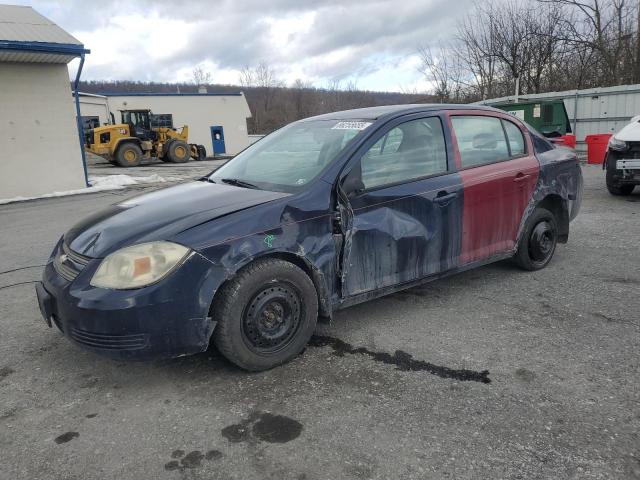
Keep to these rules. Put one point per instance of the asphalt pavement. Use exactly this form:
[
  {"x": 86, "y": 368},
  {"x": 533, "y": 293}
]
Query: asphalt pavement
[{"x": 493, "y": 373}]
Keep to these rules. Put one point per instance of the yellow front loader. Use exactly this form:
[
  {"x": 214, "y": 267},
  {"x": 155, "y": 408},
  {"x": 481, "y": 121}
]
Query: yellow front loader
[{"x": 127, "y": 143}]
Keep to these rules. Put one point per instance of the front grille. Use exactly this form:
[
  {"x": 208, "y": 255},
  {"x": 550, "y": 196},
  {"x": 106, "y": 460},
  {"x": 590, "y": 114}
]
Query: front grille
[
  {"x": 110, "y": 342},
  {"x": 75, "y": 256},
  {"x": 69, "y": 263}
]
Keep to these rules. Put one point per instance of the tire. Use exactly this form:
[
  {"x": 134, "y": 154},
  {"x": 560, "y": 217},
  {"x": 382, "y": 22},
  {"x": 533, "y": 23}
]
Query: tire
[
  {"x": 538, "y": 242},
  {"x": 623, "y": 190},
  {"x": 165, "y": 151},
  {"x": 178, "y": 152},
  {"x": 129, "y": 154},
  {"x": 614, "y": 187},
  {"x": 265, "y": 315},
  {"x": 200, "y": 152}
]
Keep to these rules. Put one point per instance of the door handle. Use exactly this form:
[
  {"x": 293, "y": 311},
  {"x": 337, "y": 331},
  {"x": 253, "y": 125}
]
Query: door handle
[
  {"x": 521, "y": 177},
  {"x": 443, "y": 198}
]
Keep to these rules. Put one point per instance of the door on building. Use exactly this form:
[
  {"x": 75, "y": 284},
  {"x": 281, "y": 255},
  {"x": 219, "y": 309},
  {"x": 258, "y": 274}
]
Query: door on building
[{"x": 217, "y": 139}]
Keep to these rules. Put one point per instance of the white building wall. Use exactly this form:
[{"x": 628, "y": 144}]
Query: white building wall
[
  {"x": 199, "y": 112},
  {"x": 39, "y": 144},
  {"x": 95, "y": 106}
]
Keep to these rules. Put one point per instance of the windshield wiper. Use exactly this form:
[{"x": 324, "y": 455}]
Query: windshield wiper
[{"x": 238, "y": 183}]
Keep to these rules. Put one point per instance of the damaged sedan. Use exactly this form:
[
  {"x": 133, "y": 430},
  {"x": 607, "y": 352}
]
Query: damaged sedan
[{"x": 322, "y": 214}]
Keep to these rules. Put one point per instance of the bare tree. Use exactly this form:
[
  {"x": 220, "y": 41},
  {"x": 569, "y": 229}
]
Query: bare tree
[
  {"x": 474, "y": 48},
  {"x": 607, "y": 27},
  {"x": 443, "y": 70},
  {"x": 201, "y": 76},
  {"x": 263, "y": 80}
]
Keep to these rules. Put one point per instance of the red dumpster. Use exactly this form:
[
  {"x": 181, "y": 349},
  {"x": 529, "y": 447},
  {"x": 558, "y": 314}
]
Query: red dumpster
[
  {"x": 565, "y": 140},
  {"x": 597, "y": 147}
]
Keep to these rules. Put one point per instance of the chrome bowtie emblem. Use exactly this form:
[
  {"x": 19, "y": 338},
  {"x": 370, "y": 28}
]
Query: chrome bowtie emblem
[{"x": 63, "y": 258}]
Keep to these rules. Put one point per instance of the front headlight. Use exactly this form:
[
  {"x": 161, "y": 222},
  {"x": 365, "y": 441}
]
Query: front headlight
[
  {"x": 618, "y": 145},
  {"x": 139, "y": 265}
]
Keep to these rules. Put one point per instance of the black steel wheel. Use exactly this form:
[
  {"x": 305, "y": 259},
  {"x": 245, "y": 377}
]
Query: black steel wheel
[
  {"x": 265, "y": 315},
  {"x": 272, "y": 318},
  {"x": 538, "y": 242}
]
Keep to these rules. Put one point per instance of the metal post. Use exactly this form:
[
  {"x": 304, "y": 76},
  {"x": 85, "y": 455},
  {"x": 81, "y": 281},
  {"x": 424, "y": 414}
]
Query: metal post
[
  {"x": 517, "y": 89},
  {"x": 575, "y": 115},
  {"x": 79, "y": 120}
]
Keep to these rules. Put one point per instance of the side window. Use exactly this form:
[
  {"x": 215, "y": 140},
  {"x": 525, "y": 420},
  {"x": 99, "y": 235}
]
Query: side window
[
  {"x": 516, "y": 140},
  {"x": 540, "y": 145},
  {"x": 480, "y": 140},
  {"x": 409, "y": 151}
]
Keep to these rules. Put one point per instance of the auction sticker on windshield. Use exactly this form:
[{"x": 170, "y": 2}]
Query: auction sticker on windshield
[{"x": 351, "y": 125}]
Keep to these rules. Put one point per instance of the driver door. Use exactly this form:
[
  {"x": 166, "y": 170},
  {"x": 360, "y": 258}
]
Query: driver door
[{"x": 406, "y": 221}]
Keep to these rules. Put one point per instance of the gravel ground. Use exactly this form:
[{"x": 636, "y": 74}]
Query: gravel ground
[{"x": 369, "y": 398}]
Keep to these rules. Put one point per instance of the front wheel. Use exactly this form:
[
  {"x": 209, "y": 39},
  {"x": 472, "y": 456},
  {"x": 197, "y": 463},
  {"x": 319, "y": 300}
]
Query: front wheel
[
  {"x": 538, "y": 242},
  {"x": 178, "y": 151},
  {"x": 265, "y": 315},
  {"x": 614, "y": 187}
]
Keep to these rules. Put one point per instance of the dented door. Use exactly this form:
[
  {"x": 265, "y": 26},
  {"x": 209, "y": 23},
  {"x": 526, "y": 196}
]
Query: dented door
[{"x": 405, "y": 225}]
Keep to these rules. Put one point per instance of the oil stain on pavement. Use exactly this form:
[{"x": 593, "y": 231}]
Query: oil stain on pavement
[
  {"x": 66, "y": 437},
  {"x": 263, "y": 427},
  {"x": 402, "y": 360},
  {"x": 191, "y": 460}
]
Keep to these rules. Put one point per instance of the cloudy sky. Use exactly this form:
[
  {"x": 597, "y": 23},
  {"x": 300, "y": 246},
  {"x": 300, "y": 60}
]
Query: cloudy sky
[{"x": 371, "y": 42}]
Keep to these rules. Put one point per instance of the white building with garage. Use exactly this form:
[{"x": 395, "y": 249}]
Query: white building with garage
[
  {"x": 218, "y": 121},
  {"x": 40, "y": 141}
]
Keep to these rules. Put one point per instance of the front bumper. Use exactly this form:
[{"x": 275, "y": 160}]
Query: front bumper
[
  {"x": 168, "y": 319},
  {"x": 623, "y": 168}
]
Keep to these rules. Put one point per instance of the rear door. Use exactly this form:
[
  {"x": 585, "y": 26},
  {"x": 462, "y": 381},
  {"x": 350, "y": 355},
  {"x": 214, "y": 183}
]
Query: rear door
[
  {"x": 499, "y": 173},
  {"x": 406, "y": 221}
]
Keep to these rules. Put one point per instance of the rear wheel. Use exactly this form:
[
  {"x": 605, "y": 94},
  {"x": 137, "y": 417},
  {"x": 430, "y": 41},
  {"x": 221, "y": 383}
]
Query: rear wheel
[
  {"x": 129, "y": 155},
  {"x": 265, "y": 315},
  {"x": 178, "y": 152},
  {"x": 538, "y": 242}
]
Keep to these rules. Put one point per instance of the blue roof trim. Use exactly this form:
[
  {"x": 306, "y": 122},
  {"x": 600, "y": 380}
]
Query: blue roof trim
[
  {"x": 132, "y": 94},
  {"x": 44, "y": 47}
]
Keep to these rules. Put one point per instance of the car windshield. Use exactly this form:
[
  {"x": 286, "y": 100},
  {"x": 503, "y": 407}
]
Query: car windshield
[{"x": 291, "y": 157}]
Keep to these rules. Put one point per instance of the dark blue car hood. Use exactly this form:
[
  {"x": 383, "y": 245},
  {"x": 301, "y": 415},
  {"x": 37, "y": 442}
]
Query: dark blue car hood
[{"x": 160, "y": 215}]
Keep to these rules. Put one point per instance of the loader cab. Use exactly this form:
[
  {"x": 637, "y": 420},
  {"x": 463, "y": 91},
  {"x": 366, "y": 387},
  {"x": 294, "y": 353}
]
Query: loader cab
[{"x": 139, "y": 123}]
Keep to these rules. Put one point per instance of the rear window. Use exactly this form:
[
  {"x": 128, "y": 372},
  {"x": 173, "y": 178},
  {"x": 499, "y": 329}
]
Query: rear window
[
  {"x": 481, "y": 140},
  {"x": 540, "y": 143},
  {"x": 515, "y": 137}
]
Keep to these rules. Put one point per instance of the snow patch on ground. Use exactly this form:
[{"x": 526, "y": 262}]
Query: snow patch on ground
[
  {"x": 121, "y": 181},
  {"x": 100, "y": 184}
]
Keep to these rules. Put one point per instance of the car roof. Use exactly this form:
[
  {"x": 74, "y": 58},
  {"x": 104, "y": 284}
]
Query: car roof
[{"x": 374, "y": 113}]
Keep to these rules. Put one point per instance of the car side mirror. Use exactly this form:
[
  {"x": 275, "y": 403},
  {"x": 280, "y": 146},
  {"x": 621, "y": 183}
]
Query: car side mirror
[{"x": 352, "y": 185}]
